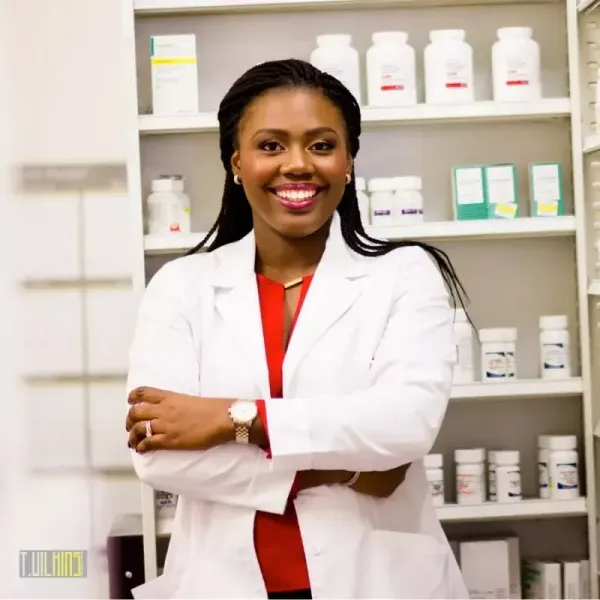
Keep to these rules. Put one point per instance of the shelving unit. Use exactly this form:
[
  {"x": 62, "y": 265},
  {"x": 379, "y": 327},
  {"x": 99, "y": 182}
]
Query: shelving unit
[{"x": 514, "y": 271}]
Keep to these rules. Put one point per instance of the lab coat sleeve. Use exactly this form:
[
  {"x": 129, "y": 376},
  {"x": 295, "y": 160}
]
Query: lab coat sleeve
[
  {"x": 164, "y": 355},
  {"x": 396, "y": 419}
]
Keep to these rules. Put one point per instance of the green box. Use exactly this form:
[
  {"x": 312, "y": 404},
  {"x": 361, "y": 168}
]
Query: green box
[
  {"x": 468, "y": 192},
  {"x": 501, "y": 191},
  {"x": 546, "y": 190}
]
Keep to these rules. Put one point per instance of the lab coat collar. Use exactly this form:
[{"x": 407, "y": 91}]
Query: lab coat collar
[
  {"x": 336, "y": 285},
  {"x": 236, "y": 261}
]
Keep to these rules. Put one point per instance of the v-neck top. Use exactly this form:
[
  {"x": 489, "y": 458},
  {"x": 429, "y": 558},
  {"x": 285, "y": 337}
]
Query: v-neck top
[{"x": 277, "y": 538}]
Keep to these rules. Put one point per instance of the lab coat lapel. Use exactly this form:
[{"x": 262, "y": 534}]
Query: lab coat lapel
[
  {"x": 236, "y": 299},
  {"x": 337, "y": 284}
]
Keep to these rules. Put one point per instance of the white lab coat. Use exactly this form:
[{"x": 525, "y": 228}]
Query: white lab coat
[{"x": 367, "y": 377}]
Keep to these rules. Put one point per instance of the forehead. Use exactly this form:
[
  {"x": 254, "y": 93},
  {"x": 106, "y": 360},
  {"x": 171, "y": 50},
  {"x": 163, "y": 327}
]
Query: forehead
[{"x": 294, "y": 110}]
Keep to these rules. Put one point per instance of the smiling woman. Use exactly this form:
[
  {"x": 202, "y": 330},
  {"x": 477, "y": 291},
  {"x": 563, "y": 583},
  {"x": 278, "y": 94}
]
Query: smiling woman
[{"x": 288, "y": 382}]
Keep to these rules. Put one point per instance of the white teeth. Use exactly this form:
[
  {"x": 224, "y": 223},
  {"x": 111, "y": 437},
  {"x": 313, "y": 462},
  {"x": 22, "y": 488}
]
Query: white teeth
[{"x": 296, "y": 194}]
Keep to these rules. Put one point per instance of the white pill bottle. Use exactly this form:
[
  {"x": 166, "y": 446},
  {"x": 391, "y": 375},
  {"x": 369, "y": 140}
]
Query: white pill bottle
[
  {"x": 555, "y": 357},
  {"x": 516, "y": 66},
  {"x": 391, "y": 70},
  {"x": 470, "y": 475},
  {"x": 448, "y": 68},
  {"x": 335, "y": 55}
]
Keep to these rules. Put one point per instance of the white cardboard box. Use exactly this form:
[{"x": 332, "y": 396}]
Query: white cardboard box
[
  {"x": 572, "y": 581},
  {"x": 542, "y": 580},
  {"x": 491, "y": 568}
]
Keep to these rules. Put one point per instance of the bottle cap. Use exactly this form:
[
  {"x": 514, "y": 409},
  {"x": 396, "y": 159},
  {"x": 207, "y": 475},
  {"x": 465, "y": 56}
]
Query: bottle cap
[
  {"x": 562, "y": 442},
  {"x": 507, "y": 457},
  {"x": 554, "y": 322},
  {"x": 382, "y": 184},
  {"x": 433, "y": 461},
  {"x": 500, "y": 334},
  {"x": 469, "y": 455}
]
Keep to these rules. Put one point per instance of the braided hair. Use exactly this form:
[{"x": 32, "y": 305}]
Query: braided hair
[{"x": 235, "y": 217}]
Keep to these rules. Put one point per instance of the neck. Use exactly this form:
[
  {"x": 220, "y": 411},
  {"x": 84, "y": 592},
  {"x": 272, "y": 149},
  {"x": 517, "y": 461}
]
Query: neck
[{"x": 282, "y": 258}]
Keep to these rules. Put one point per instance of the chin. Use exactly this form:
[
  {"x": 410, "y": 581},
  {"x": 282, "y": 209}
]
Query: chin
[{"x": 300, "y": 226}]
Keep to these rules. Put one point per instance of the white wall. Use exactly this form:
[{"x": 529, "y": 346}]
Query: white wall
[{"x": 65, "y": 107}]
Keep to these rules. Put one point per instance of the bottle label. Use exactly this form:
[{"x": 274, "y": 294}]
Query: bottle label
[
  {"x": 436, "y": 488},
  {"x": 386, "y": 212},
  {"x": 518, "y": 70},
  {"x": 566, "y": 476},
  {"x": 468, "y": 485},
  {"x": 393, "y": 78},
  {"x": 492, "y": 483},
  {"x": 543, "y": 475},
  {"x": 511, "y": 365},
  {"x": 495, "y": 365},
  {"x": 514, "y": 484},
  {"x": 411, "y": 211},
  {"x": 456, "y": 74},
  {"x": 554, "y": 356},
  {"x": 165, "y": 499}
]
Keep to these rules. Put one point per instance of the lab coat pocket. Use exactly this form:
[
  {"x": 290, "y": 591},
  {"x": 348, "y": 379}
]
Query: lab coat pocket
[{"x": 404, "y": 565}]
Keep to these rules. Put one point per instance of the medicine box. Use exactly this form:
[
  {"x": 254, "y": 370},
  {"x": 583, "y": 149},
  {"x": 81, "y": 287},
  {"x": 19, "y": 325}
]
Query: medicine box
[
  {"x": 572, "y": 581},
  {"x": 491, "y": 568},
  {"x": 500, "y": 184},
  {"x": 468, "y": 193},
  {"x": 174, "y": 74},
  {"x": 546, "y": 190},
  {"x": 542, "y": 580}
]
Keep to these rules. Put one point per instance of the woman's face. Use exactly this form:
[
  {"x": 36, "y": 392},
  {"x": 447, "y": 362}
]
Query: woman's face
[{"x": 293, "y": 160}]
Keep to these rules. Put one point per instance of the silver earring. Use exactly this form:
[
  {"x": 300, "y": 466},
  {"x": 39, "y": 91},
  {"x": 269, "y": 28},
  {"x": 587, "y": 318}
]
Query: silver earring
[
  {"x": 237, "y": 180},
  {"x": 348, "y": 178}
]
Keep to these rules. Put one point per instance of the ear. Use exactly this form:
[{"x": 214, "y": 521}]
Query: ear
[
  {"x": 350, "y": 165},
  {"x": 235, "y": 162}
]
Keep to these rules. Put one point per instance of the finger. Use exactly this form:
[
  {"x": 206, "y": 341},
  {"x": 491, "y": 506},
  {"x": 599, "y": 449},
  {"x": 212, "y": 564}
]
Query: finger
[
  {"x": 141, "y": 412},
  {"x": 146, "y": 394},
  {"x": 156, "y": 442},
  {"x": 136, "y": 434}
]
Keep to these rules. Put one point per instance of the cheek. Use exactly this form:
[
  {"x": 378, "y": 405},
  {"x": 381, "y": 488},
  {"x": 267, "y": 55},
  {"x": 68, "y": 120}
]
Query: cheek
[{"x": 257, "y": 171}]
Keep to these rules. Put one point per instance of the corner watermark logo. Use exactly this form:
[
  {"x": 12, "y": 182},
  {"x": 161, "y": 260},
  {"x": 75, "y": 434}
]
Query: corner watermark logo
[{"x": 53, "y": 563}]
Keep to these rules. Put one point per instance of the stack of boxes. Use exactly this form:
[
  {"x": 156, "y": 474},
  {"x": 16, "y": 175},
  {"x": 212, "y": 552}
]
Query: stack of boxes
[
  {"x": 492, "y": 568},
  {"x": 492, "y": 191}
]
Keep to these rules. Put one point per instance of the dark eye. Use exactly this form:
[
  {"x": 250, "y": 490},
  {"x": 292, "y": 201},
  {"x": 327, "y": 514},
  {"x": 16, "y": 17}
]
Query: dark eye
[
  {"x": 270, "y": 146},
  {"x": 323, "y": 146}
]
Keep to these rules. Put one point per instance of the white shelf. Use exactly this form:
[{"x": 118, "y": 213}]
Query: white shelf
[
  {"x": 526, "y": 509},
  {"x": 526, "y": 388},
  {"x": 594, "y": 287},
  {"x": 591, "y": 143},
  {"x": 178, "y": 243},
  {"x": 181, "y": 7},
  {"x": 490, "y": 511},
  {"x": 419, "y": 114}
]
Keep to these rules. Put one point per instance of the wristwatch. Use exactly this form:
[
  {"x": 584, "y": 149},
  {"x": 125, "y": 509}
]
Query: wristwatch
[{"x": 242, "y": 413}]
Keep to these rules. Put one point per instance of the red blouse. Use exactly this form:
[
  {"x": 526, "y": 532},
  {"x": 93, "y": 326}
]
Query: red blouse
[{"x": 277, "y": 538}]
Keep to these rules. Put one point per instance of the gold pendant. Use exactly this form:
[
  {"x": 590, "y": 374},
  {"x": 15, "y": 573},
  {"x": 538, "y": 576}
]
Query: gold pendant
[{"x": 293, "y": 283}]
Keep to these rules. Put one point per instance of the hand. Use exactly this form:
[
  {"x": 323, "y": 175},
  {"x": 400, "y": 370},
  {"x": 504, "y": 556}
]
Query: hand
[{"x": 178, "y": 421}]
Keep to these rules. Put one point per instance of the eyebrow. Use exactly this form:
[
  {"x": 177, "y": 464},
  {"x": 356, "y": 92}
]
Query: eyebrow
[{"x": 283, "y": 132}]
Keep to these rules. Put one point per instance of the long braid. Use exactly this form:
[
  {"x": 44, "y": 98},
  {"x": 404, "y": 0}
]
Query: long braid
[{"x": 235, "y": 217}]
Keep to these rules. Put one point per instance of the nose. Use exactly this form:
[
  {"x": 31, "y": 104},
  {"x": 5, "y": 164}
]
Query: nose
[{"x": 297, "y": 162}]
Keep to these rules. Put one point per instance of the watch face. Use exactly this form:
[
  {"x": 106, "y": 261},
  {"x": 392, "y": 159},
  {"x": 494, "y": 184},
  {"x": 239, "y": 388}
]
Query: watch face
[{"x": 244, "y": 411}]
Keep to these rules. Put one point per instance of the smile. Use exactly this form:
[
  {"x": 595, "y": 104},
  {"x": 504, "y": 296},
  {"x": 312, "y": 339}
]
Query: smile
[{"x": 297, "y": 197}]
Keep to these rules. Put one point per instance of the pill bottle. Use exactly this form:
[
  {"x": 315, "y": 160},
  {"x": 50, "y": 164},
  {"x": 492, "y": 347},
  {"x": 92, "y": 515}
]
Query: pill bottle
[
  {"x": 555, "y": 358},
  {"x": 408, "y": 201},
  {"x": 508, "y": 476},
  {"x": 391, "y": 70},
  {"x": 516, "y": 66},
  {"x": 470, "y": 476},
  {"x": 498, "y": 354},
  {"x": 335, "y": 55},
  {"x": 434, "y": 471},
  {"x": 382, "y": 201},
  {"x": 448, "y": 68},
  {"x": 363, "y": 200},
  {"x": 165, "y": 503},
  {"x": 168, "y": 207},
  {"x": 543, "y": 475},
  {"x": 492, "y": 475},
  {"x": 463, "y": 340},
  {"x": 563, "y": 467}
]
